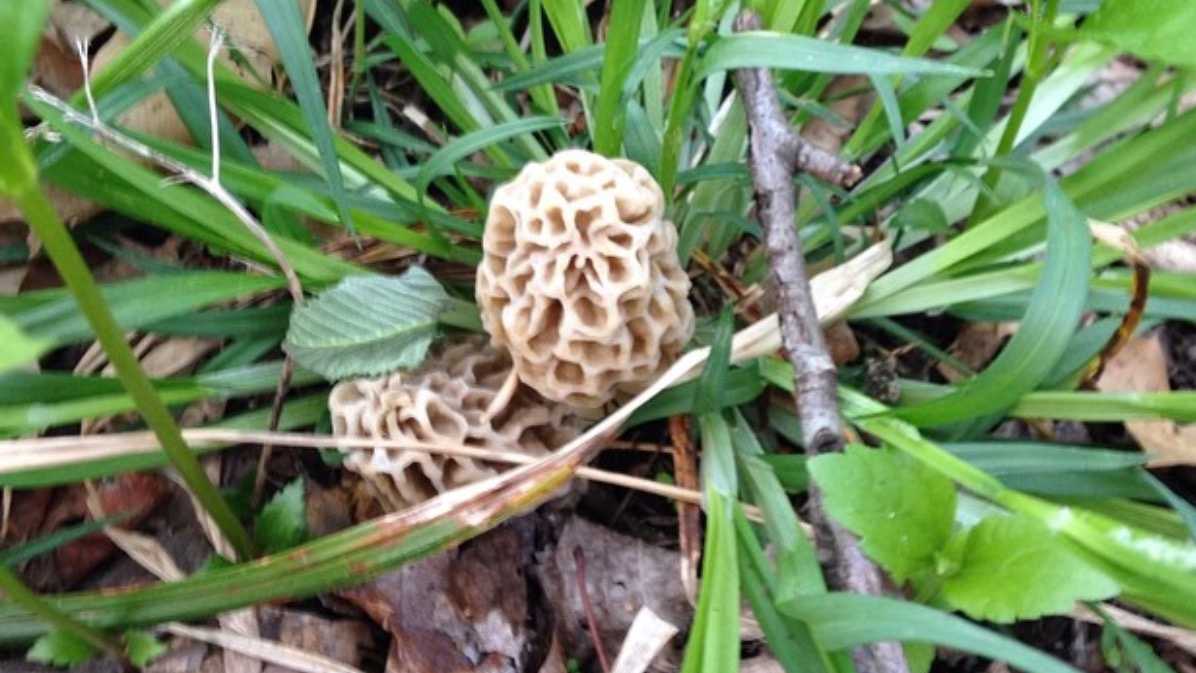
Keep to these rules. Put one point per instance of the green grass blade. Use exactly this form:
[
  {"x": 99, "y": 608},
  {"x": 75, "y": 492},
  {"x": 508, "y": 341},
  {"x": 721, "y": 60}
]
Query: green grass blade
[
  {"x": 193, "y": 214},
  {"x": 136, "y": 303},
  {"x": 790, "y": 640},
  {"x": 19, "y": 180},
  {"x": 442, "y": 162},
  {"x": 27, "y": 551},
  {"x": 623, "y": 32},
  {"x": 933, "y": 23},
  {"x": 1045, "y": 331},
  {"x": 763, "y": 49},
  {"x": 569, "y": 22},
  {"x": 167, "y": 31},
  {"x": 42, "y": 218},
  {"x": 713, "y": 643},
  {"x": 287, "y": 28},
  {"x": 845, "y": 620}
]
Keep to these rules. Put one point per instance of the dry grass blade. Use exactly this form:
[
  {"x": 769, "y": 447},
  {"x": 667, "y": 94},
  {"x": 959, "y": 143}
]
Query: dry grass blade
[
  {"x": 834, "y": 292},
  {"x": 264, "y": 650},
  {"x": 647, "y": 636},
  {"x": 1182, "y": 638},
  {"x": 55, "y": 451},
  {"x": 1119, "y": 239}
]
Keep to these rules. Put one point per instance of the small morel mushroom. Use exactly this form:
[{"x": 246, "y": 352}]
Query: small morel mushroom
[
  {"x": 580, "y": 278},
  {"x": 463, "y": 394}
]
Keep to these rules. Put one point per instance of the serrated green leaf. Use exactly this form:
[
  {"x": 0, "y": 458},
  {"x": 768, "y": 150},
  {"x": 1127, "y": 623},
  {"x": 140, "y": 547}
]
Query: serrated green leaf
[
  {"x": 1153, "y": 29},
  {"x": 282, "y": 523},
  {"x": 59, "y": 648},
  {"x": 17, "y": 347},
  {"x": 1013, "y": 567},
  {"x": 367, "y": 325},
  {"x": 902, "y": 510},
  {"x": 142, "y": 647}
]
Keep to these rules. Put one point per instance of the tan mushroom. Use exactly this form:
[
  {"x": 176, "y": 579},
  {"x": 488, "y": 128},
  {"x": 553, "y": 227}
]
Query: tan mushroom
[
  {"x": 580, "y": 278},
  {"x": 464, "y": 394}
]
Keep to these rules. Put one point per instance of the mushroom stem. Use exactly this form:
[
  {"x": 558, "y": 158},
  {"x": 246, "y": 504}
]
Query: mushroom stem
[{"x": 777, "y": 151}]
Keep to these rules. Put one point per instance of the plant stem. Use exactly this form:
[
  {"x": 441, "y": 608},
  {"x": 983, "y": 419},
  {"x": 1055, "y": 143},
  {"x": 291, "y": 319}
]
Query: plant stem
[
  {"x": 16, "y": 591},
  {"x": 44, "y": 221}
]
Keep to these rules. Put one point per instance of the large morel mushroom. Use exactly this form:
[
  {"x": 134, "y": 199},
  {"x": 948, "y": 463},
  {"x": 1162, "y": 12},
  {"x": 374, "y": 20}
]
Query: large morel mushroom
[
  {"x": 580, "y": 279},
  {"x": 463, "y": 394}
]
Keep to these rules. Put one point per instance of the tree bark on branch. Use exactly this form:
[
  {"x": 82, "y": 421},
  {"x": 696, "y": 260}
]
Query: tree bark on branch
[{"x": 776, "y": 153}]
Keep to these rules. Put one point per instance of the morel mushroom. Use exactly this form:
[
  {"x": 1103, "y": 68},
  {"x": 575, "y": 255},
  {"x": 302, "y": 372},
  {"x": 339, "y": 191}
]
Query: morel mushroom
[
  {"x": 463, "y": 394},
  {"x": 580, "y": 278}
]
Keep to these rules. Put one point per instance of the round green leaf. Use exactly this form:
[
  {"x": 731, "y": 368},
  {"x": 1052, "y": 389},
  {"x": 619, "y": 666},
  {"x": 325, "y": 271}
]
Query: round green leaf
[{"x": 1014, "y": 567}]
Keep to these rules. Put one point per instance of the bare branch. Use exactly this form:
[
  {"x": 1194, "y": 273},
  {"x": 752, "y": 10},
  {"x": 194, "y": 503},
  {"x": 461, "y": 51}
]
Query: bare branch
[{"x": 777, "y": 151}]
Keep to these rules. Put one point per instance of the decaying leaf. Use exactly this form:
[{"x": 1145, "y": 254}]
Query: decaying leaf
[
  {"x": 975, "y": 346},
  {"x": 1141, "y": 366},
  {"x": 136, "y": 494},
  {"x": 59, "y": 70},
  {"x": 462, "y": 610},
  {"x": 342, "y": 640},
  {"x": 247, "y": 33}
]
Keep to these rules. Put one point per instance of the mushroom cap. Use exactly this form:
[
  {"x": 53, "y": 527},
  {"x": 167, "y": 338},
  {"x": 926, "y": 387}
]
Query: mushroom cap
[
  {"x": 580, "y": 279},
  {"x": 463, "y": 394}
]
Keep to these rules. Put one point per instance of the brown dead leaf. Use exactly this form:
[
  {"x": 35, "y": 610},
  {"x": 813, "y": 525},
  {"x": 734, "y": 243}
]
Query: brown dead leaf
[
  {"x": 841, "y": 341},
  {"x": 1141, "y": 366},
  {"x": 69, "y": 207},
  {"x": 975, "y": 346},
  {"x": 464, "y": 610},
  {"x": 1179, "y": 254},
  {"x": 328, "y": 509},
  {"x": 830, "y": 136},
  {"x": 247, "y": 33},
  {"x": 622, "y": 575},
  {"x": 176, "y": 355},
  {"x": 186, "y": 657},
  {"x": 72, "y": 20},
  {"x": 58, "y": 69},
  {"x": 135, "y": 495},
  {"x": 343, "y": 640},
  {"x": 25, "y": 518},
  {"x": 11, "y": 279}
]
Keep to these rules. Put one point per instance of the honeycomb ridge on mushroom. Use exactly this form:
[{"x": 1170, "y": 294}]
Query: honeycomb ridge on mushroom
[
  {"x": 580, "y": 279},
  {"x": 463, "y": 394}
]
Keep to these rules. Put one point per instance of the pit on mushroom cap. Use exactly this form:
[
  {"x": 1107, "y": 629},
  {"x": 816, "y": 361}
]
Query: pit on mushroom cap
[
  {"x": 580, "y": 279},
  {"x": 462, "y": 395}
]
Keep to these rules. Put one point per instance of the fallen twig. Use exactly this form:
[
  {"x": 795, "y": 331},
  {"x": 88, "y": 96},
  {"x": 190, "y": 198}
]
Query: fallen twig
[
  {"x": 689, "y": 528},
  {"x": 579, "y": 561},
  {"x": 777, "y": 152}
]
